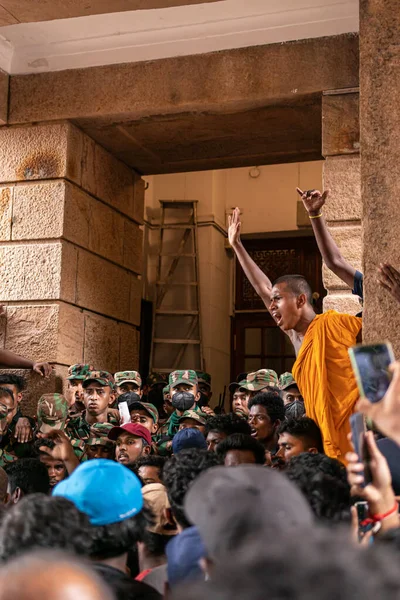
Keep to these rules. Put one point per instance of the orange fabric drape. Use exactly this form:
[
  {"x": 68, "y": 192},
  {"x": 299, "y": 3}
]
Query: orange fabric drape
[{"x": 325, "y": 377}]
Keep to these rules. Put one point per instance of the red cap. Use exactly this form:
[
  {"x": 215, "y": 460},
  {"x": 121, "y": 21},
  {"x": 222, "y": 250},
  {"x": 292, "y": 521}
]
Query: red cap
[{"x": 133, "y": 429}]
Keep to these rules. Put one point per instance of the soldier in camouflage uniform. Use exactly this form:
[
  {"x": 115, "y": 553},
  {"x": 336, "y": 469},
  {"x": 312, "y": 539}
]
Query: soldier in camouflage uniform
[
  {"x": 98, "y": 397},
  {"x": 184, "y": 386},
  {"x": 128, "y": 381},
  {"x": 257, "y": 381},
  {"x": 204, "y": 380},
  {"x": 291, "y": 396},
  {"x": 76, "y": 376},
  {"x": 98, "y": 445},
  {"x": 10, "y": 447},
  {"x": 192, "y": 419}
]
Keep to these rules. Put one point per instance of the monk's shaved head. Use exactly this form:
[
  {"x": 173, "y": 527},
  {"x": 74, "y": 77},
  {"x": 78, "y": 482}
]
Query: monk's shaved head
[
  {"x": 50, "y": 575},
  {"x": 296, "y": 284}
]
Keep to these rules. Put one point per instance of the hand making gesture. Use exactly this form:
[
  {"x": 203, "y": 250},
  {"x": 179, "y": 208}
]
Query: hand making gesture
[
  {"x": 234, "y": 226},
  {"x": 313, "y": 200}
]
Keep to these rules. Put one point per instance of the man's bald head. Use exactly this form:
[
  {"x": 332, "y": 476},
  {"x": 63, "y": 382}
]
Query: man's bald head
[
  {"x": 296, "y": 284},
  {"x": 50, "y": 575}
]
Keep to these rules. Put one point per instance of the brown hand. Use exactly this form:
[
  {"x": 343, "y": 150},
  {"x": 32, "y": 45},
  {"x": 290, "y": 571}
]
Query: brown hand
[
  {"x": 389, "y": 278},
  {"x": 43, "y": 368},
  {"x": 63, "y": 449},
  {"x": 313, "y": 200},
  {"x": 234, "y": 226},
  {"x": 23, "y": 430}
]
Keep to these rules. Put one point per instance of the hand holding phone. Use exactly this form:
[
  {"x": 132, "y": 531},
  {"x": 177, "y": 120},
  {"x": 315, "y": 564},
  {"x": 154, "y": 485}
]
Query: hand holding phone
[
  {"x": 358, "y": 431},
  {"x": 371, "y": 368}
]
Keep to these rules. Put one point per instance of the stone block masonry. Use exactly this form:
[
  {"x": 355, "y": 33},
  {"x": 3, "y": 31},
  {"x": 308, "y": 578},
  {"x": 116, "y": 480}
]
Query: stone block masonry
[{"x": 70, "y": 251}]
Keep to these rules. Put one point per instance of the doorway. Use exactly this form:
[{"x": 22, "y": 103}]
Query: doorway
[{"x": 257, "y": 342}]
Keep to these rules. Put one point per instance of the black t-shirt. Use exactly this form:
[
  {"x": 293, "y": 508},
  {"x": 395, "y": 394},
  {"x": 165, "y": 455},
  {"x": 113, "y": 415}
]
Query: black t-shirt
[{"x": 124, "y": 587}]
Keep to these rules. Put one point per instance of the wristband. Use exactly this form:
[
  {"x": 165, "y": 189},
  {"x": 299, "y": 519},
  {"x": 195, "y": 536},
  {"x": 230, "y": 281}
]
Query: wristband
[
  {"x": 381, "y": 517},
  {"x": 315, "y": 216}
]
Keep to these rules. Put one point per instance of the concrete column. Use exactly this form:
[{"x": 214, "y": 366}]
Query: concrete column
[
  {"x": 70, "y": 251},
  {"x": 380, "y": 164},
  {"x": 340, "y": 147}
]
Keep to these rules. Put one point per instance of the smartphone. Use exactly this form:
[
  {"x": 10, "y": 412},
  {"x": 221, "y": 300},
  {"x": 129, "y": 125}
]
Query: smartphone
[
  {"x": 371, "y": 367},
  {"x": 357, "y": 424},
  {"x": 362, "y": 515}
]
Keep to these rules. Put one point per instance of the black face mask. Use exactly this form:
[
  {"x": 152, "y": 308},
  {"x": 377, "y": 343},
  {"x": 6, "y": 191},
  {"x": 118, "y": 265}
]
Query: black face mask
[
  {"x": 203, "y": 400},
  {"x": 129, "y": 397},
  {"x": 183, "y": 401},
  {"x": 295, "y": 410}
]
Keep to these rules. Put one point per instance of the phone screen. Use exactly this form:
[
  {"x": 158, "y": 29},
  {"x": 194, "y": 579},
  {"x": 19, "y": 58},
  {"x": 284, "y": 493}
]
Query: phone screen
[{"x": 371, "y": 367}]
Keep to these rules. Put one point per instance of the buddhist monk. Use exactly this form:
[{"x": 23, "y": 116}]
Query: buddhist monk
[{"x": 322, "y": 369}]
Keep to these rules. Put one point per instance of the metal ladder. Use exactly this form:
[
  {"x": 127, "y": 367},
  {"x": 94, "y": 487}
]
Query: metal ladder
[{"x": 176, "y": 340}]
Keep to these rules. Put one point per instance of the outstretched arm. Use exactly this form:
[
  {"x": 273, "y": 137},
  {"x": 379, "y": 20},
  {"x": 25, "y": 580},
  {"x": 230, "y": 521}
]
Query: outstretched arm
[
  {"x": 13, "y": 361},
  {"x": 257, "y": 278},
  {"x": 313, "y": 201}
]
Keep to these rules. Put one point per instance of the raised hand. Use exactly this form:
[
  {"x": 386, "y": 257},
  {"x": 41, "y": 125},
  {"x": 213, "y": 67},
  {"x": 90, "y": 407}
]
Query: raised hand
[
  {"x": 234, "y": 226},
  {"x": 43, "y": 368},
  {"x": 389, "y": 278},
  {"x": 313, "y": 200}
]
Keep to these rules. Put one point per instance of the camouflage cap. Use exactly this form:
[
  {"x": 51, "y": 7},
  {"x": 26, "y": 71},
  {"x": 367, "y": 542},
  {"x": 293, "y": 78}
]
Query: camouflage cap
[
  {"x": 196, "y": 415},
  {"x": 154, "y": 378},
  {"x": 286, "y": 380},
  {"x": 149, "y": 408},
  {"x": 79, "y": 371},
  {"x": 98, "y": 435},
  {"x": 3, "y": 411},
  {"x": 258, "y": 380},
  {"x": 52, "y": 412},
  {"x": 177, "y": 377},
  {"x": 166, "y": 390},
  {"x": 101, "y": 377},
  {"x": 128, "y": 377},
  {"x": 203, "y": 377}
]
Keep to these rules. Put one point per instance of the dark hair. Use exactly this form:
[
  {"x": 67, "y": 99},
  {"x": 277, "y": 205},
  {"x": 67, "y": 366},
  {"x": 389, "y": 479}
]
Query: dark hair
[
  {"x": 272, "y": 403},
  {"x": 42, "y": 442},
  {"x": 297, "y": 284},
  {"x": 155, "y": 543},
  {"x": 6, "y": 392},
  {"x": 110, "y": 541},
  {"x": 241, "y": 441},
  {"x": 28, "y": 474},
  {"x": 179, "y": 472},
  {"x": 323, "y": 481},
  {"x": 328, "y": 568},
  {"x": 228, "y": 424},
  {"x": 151, "y": 460},
  {"x": 11, "y": 379},
  {"x": 40, "y": 521},
  {"x": 304, "y": 428}
]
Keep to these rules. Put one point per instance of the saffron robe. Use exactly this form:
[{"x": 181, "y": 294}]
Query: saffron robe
[{"x": 326, "y": 380}]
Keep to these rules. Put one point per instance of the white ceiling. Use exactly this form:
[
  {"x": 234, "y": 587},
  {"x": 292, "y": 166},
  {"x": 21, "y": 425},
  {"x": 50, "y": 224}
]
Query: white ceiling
[{"x": 153, "y": 34}]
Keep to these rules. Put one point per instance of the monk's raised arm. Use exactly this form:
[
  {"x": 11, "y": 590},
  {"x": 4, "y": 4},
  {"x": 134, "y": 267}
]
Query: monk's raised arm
[{"x": 257, "y": 278}]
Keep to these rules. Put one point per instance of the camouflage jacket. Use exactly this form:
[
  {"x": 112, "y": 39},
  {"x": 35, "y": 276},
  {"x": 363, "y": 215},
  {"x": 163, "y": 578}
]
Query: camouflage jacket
[
  {"x": 10, "y": 448},
  {"x": 78, "y": 428},
  {"x": 166, "y": 433}
]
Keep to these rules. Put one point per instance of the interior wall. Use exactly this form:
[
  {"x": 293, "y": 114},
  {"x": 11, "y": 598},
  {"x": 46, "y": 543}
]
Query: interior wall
[{"x": 268, "y": 201}]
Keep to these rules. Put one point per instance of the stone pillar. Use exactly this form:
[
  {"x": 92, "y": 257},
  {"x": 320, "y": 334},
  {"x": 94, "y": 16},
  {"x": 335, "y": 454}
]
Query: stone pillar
[
  {"x": 70, "y": 251},
  {"x": 340, "y": 147},
  {"x": 380, "y": 163}
]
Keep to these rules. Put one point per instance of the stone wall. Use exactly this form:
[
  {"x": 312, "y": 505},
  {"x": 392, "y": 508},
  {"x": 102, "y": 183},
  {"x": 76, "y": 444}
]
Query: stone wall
[
  {"x": 341, "y": 147},
  {"x": 70, "y": 250}
]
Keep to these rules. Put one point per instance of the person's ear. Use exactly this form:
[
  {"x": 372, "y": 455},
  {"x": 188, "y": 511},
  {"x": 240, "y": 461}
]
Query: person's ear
[
  {"x": 313, "y": 450},
  {"x": 146, "y": 450},
  {"x": 154, "y": 428},
  {"x": 112, "y": 398},
  {"x": 19, "y": 397},
  {"x": 301, "y": 300},
  {"x": 140, "y": 393},
  {"x": 16, "y": 496},
  {"x": 169, "y": 517}
]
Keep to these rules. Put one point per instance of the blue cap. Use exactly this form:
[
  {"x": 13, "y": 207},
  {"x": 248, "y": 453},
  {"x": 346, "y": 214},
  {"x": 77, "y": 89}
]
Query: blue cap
[
  {"x": 188, "y": 438},
  {"x": 106, "y": 491}
]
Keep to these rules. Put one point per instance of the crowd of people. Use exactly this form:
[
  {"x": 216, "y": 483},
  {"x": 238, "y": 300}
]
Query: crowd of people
[{"x": 129, "y": 488}]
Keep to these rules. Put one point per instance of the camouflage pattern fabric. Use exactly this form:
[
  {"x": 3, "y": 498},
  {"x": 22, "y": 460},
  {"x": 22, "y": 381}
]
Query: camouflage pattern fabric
[
  {"x": 286, "y": 380},
  {"x": 80, "y": 429},
  {"x": 154, "y": 378},
  {"x": 52, "y": 412},
  {"x": 99, "y": 435},
  {"x": 258, "y": 380},
  {"x": 10, "y": 448},
  {"x": 166, "y": 390},
  {"x": 203, "y": 377},
  {"x": 128, "y": 377},
  {"x": 196, "y": 415},
  {"x": 101, "y": 377},
  {"x": 148, "y": 407},
  {"x": 79, "y": 371},
  {"x": 177, "y": 377},
  {"x": 167, "y": 431}
]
